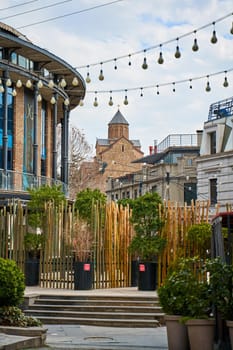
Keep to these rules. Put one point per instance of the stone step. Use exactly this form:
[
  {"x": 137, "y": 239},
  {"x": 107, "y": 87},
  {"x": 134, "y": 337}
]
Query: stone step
[
  {"x": 96, "y": 315},
  {"x": 97, "y": 302},
  {"x": 98, "y": 310},
  {"x": 103, "y": 308},
  {"x": 131, "y": 323}
]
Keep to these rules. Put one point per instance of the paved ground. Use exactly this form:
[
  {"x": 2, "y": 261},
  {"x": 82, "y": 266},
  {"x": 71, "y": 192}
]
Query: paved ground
[{"x": 91, "y": 338}]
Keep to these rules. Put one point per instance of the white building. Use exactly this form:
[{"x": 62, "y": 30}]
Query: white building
[{"x": 215, "y": 164}]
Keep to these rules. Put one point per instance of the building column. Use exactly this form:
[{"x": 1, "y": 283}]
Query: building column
[
  {"x": 64, "y": 145},
  {"x": 5, "y": 121},
  {"x": 54, "y": 169},
  {"x": 35, "y": 133}
]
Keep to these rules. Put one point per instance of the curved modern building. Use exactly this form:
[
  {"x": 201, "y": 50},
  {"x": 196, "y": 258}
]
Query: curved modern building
[{"x": 37, "y": 92}]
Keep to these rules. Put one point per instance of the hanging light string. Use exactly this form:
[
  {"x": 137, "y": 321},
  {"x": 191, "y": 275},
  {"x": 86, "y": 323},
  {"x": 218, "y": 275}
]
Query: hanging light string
[
  {"x": 157, "y": 87},
  {"x": 161, "y": 45}
]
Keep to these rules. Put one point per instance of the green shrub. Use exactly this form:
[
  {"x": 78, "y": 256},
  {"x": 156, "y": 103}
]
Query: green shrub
[
  {"x": 13, "y": 316},
  {"x": 12, "y": 284}
]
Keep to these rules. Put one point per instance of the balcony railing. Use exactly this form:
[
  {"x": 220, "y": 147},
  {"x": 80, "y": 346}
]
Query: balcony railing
[
  {"x": 177, "y": 140},
  {"x": 221, "y": 109},
  {"x": 13, "y": 181}
]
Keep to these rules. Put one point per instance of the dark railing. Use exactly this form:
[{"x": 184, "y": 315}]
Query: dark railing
[
  {"x": 221, "y": 109},
  {"x": 14, "y": 181}
]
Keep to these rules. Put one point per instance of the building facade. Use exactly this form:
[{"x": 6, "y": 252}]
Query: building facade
[
  {"x": 114, "y": 156},
  {"x": 37, "y": 92},
  {"x": 169, "y": 170},
  {"x": 215, "y": 164}
]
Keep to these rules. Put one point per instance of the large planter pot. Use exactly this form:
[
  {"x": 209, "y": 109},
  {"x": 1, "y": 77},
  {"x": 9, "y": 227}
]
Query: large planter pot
[
  {"x": 177, "y": 333},
  {"x": 134, "y": 273},
  {"x": 201, "y": 334},
  {"x": 32, "y": 270},
  {"x": 83, "y": 275},
  {"x": 147, "y": 279},
  {"x": 230, "y": 329}
]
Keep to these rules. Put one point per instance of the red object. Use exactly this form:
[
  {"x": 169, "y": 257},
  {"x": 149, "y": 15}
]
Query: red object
[
  {"x": 86, "y": 267},
  {"x": 142, "y": 268}
]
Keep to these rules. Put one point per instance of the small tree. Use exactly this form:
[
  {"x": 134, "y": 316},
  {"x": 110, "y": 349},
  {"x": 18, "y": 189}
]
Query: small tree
[
  {"x": 146, "y": 218},
  {"x": 85, "y": 200}
]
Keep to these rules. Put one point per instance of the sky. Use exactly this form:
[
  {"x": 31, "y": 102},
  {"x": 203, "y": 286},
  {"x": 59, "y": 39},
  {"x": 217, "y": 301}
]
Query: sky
[{"x": 103, "y": 30}]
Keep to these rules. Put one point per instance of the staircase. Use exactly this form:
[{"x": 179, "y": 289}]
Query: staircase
[{"x": 97, "y": 310}]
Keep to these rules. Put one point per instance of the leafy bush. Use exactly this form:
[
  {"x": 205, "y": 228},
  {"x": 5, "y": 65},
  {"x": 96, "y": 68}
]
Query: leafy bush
[
  {"x": 13, "y": 316},
  {"x": 184, "y": 291},
  {"x": 12, "y": 284}
]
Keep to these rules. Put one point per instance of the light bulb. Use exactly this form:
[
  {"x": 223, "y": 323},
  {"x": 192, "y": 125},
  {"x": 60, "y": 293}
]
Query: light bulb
[
  {"x": 14, "y": 93},
  {"x": 110, "y": 101},
  {"x": 39, "y": 98},
  {"x": 208, "y": 88},
  {"x": 52, "y": 100},
  {"x": 81, "y": 103},
  {"x": 214, "y": 38},
  {"x": 144, "y": 65},
  {"x": 8, "y": 82},
  {"x": 40, "y": 84},
  {"x": 75, "y": 81},
  {"x": 160, "y": 59},
  {"x": 51, "y": 83},
  {"x": 231, "y": 31},
  {"x": 19, "y": 83},
  {"x": 95, "y": 104},
  {"x": 28, "y": 84},
  {"x": 177, "y": 53},
  {"x": 63, "y": 83},
  {"x": 1, "y": 88},
  {"x": 126, "y": 100},
  {"x": 66, "y": 102},
  {"x": 195, "y": 47},
  {"x": 225, "y": 83},
  {"x": 101, "y": 76},
  {"x": 88, "y": 79}
]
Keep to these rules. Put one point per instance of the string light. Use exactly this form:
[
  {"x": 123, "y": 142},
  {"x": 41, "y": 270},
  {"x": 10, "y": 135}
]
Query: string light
[
  {"x": 130, "y": 58},
  {"x": 14, "y": 92},
  {"x": 19, "y": 84},
  {"x": 63, "y": 83},
  {"x": 39, "y": 98},
  {"x": 177, "y": 53},
  {"x": 173, "y": 84},
  {"x": 115, "y": 65},
  {"x": 101, "y": 76},
  {"x": 51, "y": 84},
  {"x": 75, "y": 81},
  {"x": 144, "y": 65},
  {"x": 225, "y": 83},
  {"x": 53, "y": 100},
  {"x": 81, "y": 103},
  {"x": 40, "y": 84},
  {"x": 66, "y": 102},
  {"x": 110, "y": 99},
  {"x": 88, "y": 79},
  {"x": 208, "y": 88},
  {"x": 214, "y": 37},
  {"x": 95, "y": 104},
  {"x": 28, "y": 84},
  {"x": 141, "y": 94},
  {"x": 160, "y": 59},
  {"x": 195, "y": 46},
  {"x": 8, "y": 82},
  {"x": 126, "y": 99}
]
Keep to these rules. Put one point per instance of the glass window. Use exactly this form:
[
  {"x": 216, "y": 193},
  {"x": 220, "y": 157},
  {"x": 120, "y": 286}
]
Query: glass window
[
  {"x": 212, "y": 142},
  {"x": 213, "y": 191}
]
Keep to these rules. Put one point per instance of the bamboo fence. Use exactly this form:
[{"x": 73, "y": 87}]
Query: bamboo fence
[{"x": 112, "y": 233}]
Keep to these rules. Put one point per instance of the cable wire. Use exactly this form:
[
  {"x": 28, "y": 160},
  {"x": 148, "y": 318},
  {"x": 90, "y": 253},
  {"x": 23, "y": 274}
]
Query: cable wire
[
  {"x": 34, "y": 10},
  {"x": 13, "y": 6},
  {"x": 70, "y": 14}
]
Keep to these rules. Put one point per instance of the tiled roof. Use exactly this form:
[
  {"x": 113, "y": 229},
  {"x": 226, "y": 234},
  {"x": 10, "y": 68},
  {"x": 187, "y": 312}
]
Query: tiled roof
[{"x": 118, "y": 119}]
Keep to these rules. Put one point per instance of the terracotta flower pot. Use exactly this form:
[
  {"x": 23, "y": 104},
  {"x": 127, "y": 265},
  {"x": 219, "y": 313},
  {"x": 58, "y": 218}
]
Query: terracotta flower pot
[
  {"x": 177, "y": 334},
  {"x": 201, "y": 333}
]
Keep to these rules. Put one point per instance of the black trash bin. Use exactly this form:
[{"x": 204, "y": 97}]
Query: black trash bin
[
  {"x": 83, "y": 275},
  {"x": 147, "y": 276}
]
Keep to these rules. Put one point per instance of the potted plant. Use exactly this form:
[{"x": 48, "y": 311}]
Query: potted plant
[
  {"x": 33, "y": 244},
  {"x": 147, "y": 243},
  {"x": 82, "y": 249},
  {"x": 185, "y": 296}
]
